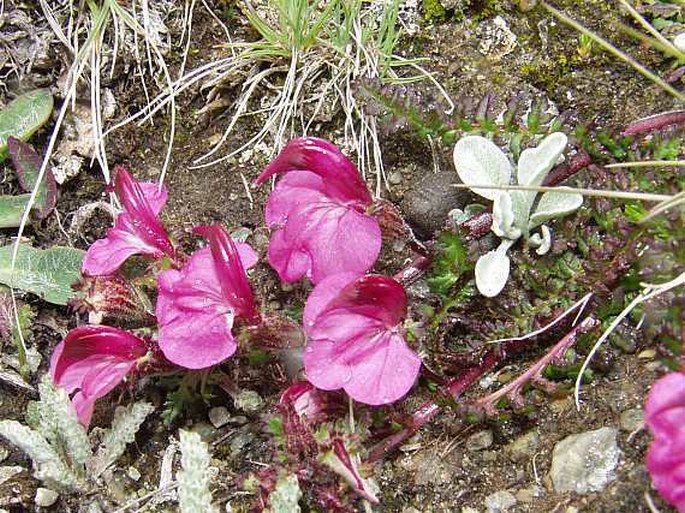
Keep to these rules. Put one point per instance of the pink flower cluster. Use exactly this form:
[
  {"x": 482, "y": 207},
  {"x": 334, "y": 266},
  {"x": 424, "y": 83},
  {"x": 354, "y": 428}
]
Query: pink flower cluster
[
  {"x": 665, "y": 417},
  {"x": 323, "y": 228},
  {"x": 198, "y": 301}
]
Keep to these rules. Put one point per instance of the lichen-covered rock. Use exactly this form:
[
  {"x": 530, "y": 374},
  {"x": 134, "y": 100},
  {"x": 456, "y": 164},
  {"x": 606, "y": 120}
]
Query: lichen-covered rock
[{"x": 585, "y": 462}]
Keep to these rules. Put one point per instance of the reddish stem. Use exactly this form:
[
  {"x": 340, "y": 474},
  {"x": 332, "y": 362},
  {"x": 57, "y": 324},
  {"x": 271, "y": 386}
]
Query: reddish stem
[
  {"x": 456, "y": 387},
  {"x": 645, "y": 125}
]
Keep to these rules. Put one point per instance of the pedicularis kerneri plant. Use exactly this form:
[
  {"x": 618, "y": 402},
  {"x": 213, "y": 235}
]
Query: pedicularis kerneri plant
[
  {"x": 322, "y": 217},
  {"x": 195, "y": 311},
  {"x": 514, "y": 213}
]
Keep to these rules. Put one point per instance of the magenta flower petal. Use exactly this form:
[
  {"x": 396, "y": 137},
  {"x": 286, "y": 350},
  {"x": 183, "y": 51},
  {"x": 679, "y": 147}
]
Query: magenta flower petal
[
  {"x": 342, "y": 181},
  {"x": 197, "y": 305},
  {"x": 356, "y": 340},
  {"x": 136, "y": 231},
  {"x": 318, "y": 213},
  {"x": 665, "y": 417},
  {"x": 91, "y": 361}
]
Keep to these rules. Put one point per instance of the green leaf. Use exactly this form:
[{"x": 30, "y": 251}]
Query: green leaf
[
  {"x": 12, "y": 209},
  {"x": 23, "y": 116},
  {"x": 49, "y": 273}
]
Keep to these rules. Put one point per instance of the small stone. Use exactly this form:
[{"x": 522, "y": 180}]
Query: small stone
[
  {"x": 45, "y": 497},
  {"x": 4, "y": 452},
  {"x": 500, "y": 501},
  {"x": 479, "y": 441},
  {"x": 647, "y": 354},
  {"x": 524, "y": 447},
  {"x": 469, "y": 509},
  {"x": 427, "y": 204},
  {"x": 585, "y": 462},
  {"x": 205, "y": 430},
  {"x": 240, "y": 441},
  {"x": 527, "y": 495},
  {"x": 133, "y": 473},
  {"x": 496, "y": 38},
  {"x": 572, "y": 509},
  {"x": 410, "y": 509},
  {"x": 8, "y": 472},
  {"x": 653, "y": 366},
  {"x": 248, "y": 401},
  {"x": 395, "y": 178},
  {"x": 219, "y": 416},
  {"x": 632, "y": 420}
]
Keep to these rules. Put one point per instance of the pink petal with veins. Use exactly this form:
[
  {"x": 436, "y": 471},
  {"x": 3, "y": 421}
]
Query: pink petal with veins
[
  {"x": 137, "y": 230},
  {"x": 318, "y": 211},
  {"x": 91, "y": 361},
  {"x": 356, "y": 340},
  {"x": 197, "y": 305}
]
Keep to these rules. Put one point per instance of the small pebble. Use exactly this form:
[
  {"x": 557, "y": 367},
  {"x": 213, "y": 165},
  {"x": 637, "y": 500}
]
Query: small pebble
[
  {"x": 479, "y": 441},
  {"x": 499, "y": 502},
  {"x": 632, "y": 420},
  {"x": 8, "y": 472},
  {"x": 4, "y": 453},
  {"x": 248, "y": 401},
  {"x": 133, "y": 473},
  {"x": 523, "y": 448},
  {"x": 45, "y": 497},
  {"x": 395, "y": 178},
  {"x": 219, "y": 416},
  {"x": 647, "y": 354},
  {"x": 529, "y": 494}
]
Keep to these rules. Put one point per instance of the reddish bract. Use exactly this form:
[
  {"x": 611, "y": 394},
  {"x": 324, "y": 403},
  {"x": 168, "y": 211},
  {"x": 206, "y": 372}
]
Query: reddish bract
[
  {"x": 197, "y": 305},
  {"x": 665, "y": 417},
  {"x": 356, "y": 339},
  {"x": 319, "y": 213},
  {"x": 91, "y": 361},
  {"x": 137, "y": 230}
]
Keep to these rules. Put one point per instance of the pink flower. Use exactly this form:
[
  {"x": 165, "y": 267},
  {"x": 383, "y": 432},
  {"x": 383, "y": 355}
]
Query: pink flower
[
  {"x": 197, "y": 305},
  {"x": 91, "y": 361},
  {"x": 137, "y": 230},
  {"x": 665, "y": 417},
  {"x": 319, "y": 213},
  {"x": 356, "y": 340}
]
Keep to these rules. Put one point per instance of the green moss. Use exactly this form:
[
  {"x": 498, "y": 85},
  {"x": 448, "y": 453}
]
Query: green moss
[{"x": 433, "y": 11}]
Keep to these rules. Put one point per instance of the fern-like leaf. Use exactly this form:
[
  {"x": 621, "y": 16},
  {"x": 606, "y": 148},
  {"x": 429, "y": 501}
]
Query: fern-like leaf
[
  {"x": 60, "y": 426},
  {"x": 127, "y": 421},
  {"x": 47, "y": 464},
  {"x": 193, "y": 480}
]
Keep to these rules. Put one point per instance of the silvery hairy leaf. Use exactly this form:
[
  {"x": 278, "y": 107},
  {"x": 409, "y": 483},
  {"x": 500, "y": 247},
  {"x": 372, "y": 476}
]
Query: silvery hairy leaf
[{"x": 479, "y": 161}]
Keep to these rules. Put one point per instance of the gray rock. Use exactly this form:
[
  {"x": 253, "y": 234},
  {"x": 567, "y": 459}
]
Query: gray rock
[
  {"x": 479, "y": 441},
  {"x": 219, "y": 416},
  {"x": 585, "y": 462},
  {"x": 524, "y": 447},
  {"x": 500, "y": 501},
  {"x": 632, "y": 420},
  {"x": 45, "y": 497},
  {"x": 426, "y": 205}
]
